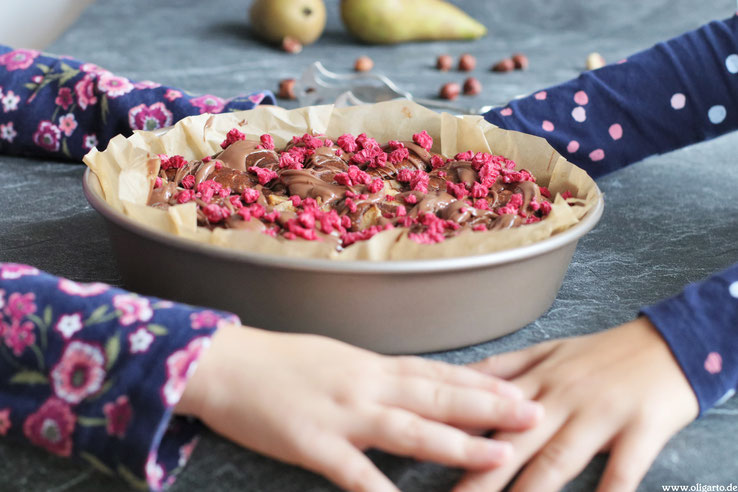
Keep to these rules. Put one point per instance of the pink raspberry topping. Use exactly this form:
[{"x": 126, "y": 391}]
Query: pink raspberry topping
[
  {"x": 481, "y": 204},
  {"x": 351, "y": 204},
  {"x": 267, "y": 141},
  {"x": 207, "y": 159},
  {"x": 208, "y": 189},
  {"x": 232, "y": 136},
  {"x": 174, "y": 162},
  {"x": 398, "y": 155},
  {"x": 347, "y": 142},
  {"x": 185, "y": 196},
  {"x": 218, "y": 165},
  {"x": 394, "y": 144},
  {"x": 375, "y": 186},
  {"x": 546, "y": 208},
  {"x": 479, "y": 190},
  {"x": 366, "y": 142},
  {"x": 235, "y": 201},
  {"x": 488, "y": 174},
  {"x": 567, "y": 194},
  {"x": 419, "y": 181},
  {"x": 437, "y": 161},
  {"x": 480, "y": 159},
  {"x": 271, "y": 216},
  {"x": 464, "y": 156},
  {"x": 350, "y": 238},
  {"x": 423, "y": 139},
  {"x": 157, "y": 182},
  {"x": 545, "y": 192},
  {"x": 264, "y": 175},
  {"x": 296, "y": 200},
  {"x": 411, "y": 199},
  {"x": 289, "y": 160},
  {"x": 250, "y": 195},
  {"x": 215, "y": 213},
  {"x": 479, "y": 227},
  {"x": 188, "y": 182},
  {"x": 457, "y": 189},
  {"x": 311, "y": 142},
  {"x": 296, "y": 230}
]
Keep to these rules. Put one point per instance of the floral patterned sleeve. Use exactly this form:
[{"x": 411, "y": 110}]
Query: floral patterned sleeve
[
  {"x": 91, "y": 371},
  {"x": 60, "y": 108}
]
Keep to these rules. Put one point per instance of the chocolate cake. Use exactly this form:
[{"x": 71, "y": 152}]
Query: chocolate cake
[{"x": 351, "y": 188}]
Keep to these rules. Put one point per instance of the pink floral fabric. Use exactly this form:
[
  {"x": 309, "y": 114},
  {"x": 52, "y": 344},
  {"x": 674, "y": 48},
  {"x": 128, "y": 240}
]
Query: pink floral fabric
[
  {"x": 101, "y": 370},
  {"x": 61, "y": 108}
]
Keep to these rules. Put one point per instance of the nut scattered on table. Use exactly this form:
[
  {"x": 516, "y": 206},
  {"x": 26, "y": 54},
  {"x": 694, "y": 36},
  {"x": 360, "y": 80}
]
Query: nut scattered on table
[
  {"x": 363, "y": 64},
  {"x": 504, "y": 65},
  {"x": 520, "y": 61},
  {"x": 286, "y": 89},
  {"x": 444, "y": 63},
  {"x": 467, "y": 62},
  {"x": 595, "y": 61},
  {"x": 472, "y": 86},
  {"x": 450, "y": 91},
  {"x": 291, "y": 45}
]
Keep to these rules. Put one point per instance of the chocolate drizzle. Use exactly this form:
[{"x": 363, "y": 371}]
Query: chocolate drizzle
[{"x": 244, "y": 187}]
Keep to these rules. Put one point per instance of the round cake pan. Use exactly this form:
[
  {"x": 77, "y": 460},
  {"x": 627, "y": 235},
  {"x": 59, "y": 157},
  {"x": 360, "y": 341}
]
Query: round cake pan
[{"x": 390, "y": 306}]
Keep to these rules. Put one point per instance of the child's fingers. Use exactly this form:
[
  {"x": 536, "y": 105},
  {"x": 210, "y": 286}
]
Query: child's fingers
[
  {"x": 564, "y": 456},
  {"x": 452, "y": 374},
  {"x": 513, "y": 364},
  {"x": 462, "y": 406},
  {"x": 404, "y": 433},
  {"x": 631, "y": 457},
  {"x": 346, "y": 466},
  {"x": 524, "y": 445}
]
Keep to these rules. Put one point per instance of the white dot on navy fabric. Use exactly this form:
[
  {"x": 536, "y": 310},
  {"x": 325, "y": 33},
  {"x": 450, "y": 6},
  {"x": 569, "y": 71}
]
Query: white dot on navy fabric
[
  {"x": 731, "y": 63},
  {"x": 717, "y": 114},
  {"x": 733, "y": 289}
]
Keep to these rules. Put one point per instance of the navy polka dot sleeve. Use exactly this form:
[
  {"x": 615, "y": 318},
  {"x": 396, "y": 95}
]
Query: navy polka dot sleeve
[{"x": 674, "y": 94}]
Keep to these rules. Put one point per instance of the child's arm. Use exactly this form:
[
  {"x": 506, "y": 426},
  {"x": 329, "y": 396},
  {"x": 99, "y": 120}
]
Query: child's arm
[
  {"x": 677, "y": 93},
  {"x": 91, "y": 371},
  {"x": 60, "y": 108}
]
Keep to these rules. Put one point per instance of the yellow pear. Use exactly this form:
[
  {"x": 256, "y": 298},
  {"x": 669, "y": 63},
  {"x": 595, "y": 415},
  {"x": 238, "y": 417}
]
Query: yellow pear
[
  {"x": 397, "y": 21},
  {"x": 273, "y": 20}
]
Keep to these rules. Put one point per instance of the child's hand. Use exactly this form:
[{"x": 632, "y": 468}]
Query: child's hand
[
  {"x": 317, "y": 403},
  {"x": 620, "y": 390}
]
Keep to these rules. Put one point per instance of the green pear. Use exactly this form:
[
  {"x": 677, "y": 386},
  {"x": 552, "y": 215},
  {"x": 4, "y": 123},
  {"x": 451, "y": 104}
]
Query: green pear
[
  {"x": 396, "y": 21},
  {"x": 273, "y": 20}
]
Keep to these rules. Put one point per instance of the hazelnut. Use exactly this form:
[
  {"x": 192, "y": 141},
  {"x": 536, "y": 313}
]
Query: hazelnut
[
  {"x": 595, "y": 61},
  {"x": 286, "y": 89},
  {"x": 520, "y": 61},
  {"x": 504, "y": 65},
  {"x": 467, "y": 62},
  {"x": 291, "y": 45},
  {"x": 444, "y": 63},
  {"x": 363, "y": 64},
  {"x": 450, "y": 91},
  {"x": 472, "y": 86}
]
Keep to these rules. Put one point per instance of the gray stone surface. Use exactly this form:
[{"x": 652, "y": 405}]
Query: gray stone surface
[{"x": 664, "y": 225}]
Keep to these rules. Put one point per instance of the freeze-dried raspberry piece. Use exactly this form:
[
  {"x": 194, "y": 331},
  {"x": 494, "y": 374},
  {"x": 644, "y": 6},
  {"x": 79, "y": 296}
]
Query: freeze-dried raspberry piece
[
  {"x": 294, "y": 227},
  {"x": 488, "y": 174},
  {"x": 480, "y": 159},
  {"x": 215, "y": 213},
  {"x": 289, "y": 160},
  {"x": 250, "y": 195},
  {"x": 437, "y": 161},
  {"x": 296, "y": 200},
  {"x": 545, "y": 192},
  {"x": 375, "y": 186},
  {"x": 347, "y": 142},
  {"x": 272, "y": 216},
  {"x": 394, "y": 145},
  {"x": 419, "y": 181},
  {"x": 267, "y": 141},
  {"x": 567, "y": 194},
  {"x": 157, "y": 182},
  {"x": 311, "y": 142},
  {"x": 464, "y": 156},
  {"x": 423, "y": 139},
  {"x": 232, "y": 136},
  {"x": 398, "y": 155},
  {"x": 516, "y": 200},
  {"x": 264, "y": 175},
  {"x": 479, "y": 227},
  {"x": 457, "y": 189},
  {"x": 188, "y": 182},
  {"x": 350, "y": 238},
  {"x": 411, "y": 199},
  {"x": 481, "y": 204},
  {"x": 479, "y": 190},
  {"x": 235, "y": 201},
  {"x": 208, "y": 189},
  {"x": 184, "y": 196},
  {"x": 173, "y": 162},
  {"x": 366, "y": 142}
]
